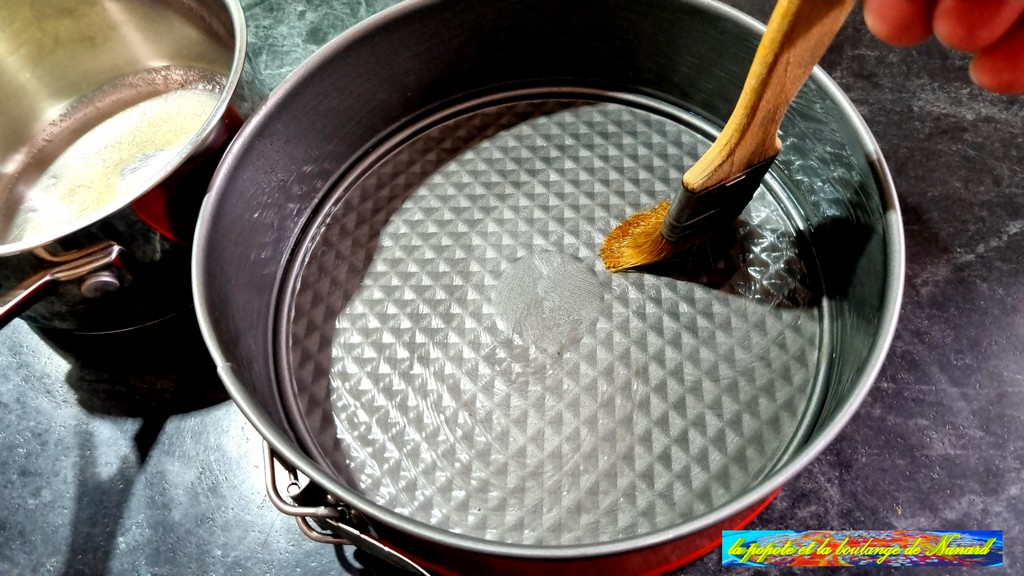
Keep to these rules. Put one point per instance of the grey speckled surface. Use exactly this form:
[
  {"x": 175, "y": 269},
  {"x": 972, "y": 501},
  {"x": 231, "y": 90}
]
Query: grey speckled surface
[{"x": 141, "y": 466}]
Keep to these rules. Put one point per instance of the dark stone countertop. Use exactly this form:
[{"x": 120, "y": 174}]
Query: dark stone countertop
[{"x": 127, "y": 458}]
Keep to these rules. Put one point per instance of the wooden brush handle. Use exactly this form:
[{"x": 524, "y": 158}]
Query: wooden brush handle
[{"x": 797, "y": 35}]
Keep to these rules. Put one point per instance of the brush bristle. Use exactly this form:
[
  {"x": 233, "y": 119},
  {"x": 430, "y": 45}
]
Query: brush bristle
[{"x": 637, "y": 241}]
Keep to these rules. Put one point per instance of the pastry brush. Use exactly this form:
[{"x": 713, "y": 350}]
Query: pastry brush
[{"x": 721, "y": 183}]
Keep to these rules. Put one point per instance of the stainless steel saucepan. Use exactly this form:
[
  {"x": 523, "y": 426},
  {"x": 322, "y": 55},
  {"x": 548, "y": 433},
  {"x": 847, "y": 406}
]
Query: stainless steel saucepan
[
  {"x": 114, "y": 115},
  {"x": 396, "y": 271}
]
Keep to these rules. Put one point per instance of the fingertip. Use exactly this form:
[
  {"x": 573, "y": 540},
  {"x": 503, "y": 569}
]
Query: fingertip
[
  {"x": 973, "y": 25},
  {"x": 1000, "y": 68},
  {"x": 956, "y": 37},
  {"x": 995, "y": 78},
  {"x": 899, "y": 22}
]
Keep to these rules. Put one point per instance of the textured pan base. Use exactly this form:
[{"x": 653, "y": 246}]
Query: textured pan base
[{"x": 461, "y": 357}]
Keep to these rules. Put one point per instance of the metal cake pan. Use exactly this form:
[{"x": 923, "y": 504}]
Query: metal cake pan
[{"x": 396, "y": 272}]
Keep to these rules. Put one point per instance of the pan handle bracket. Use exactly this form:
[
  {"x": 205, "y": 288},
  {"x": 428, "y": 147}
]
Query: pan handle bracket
[
  {"x": 329, "y": 522},
  {"x": 85, "y": 263}
]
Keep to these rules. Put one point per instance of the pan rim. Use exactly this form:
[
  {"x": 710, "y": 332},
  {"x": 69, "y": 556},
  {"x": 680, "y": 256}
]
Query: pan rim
[{"x": 289, "y": 451}]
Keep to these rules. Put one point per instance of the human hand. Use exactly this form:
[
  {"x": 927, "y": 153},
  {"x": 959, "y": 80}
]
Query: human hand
[{"x": 992, "y": 30}]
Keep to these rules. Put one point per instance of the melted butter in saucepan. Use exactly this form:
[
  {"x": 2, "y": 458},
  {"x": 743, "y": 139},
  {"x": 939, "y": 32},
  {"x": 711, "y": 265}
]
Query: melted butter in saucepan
[{"x": 108, "y": 166}]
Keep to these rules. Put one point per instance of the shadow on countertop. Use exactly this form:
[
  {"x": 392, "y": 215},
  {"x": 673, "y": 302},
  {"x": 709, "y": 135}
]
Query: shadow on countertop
[
  {"x": 157, "y": 370},
  {"x": 151, "y": 373}
]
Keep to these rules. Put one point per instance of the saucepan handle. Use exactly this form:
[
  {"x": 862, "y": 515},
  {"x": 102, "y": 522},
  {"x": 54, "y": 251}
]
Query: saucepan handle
[
  {"x": 72, "y": 266},
  {"x": 330, "y": 522}
]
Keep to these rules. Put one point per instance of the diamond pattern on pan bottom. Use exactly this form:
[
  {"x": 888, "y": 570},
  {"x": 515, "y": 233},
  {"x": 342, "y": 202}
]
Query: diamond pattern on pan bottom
[{"x": 488, "y": 377}]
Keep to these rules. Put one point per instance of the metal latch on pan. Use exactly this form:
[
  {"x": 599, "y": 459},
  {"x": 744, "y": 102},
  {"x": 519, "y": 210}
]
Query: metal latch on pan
[{"x": 322, "y": 519}]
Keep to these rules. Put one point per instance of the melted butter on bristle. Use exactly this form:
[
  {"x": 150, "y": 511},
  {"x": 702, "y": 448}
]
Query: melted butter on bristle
[{"x": 637, "y": 241}]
